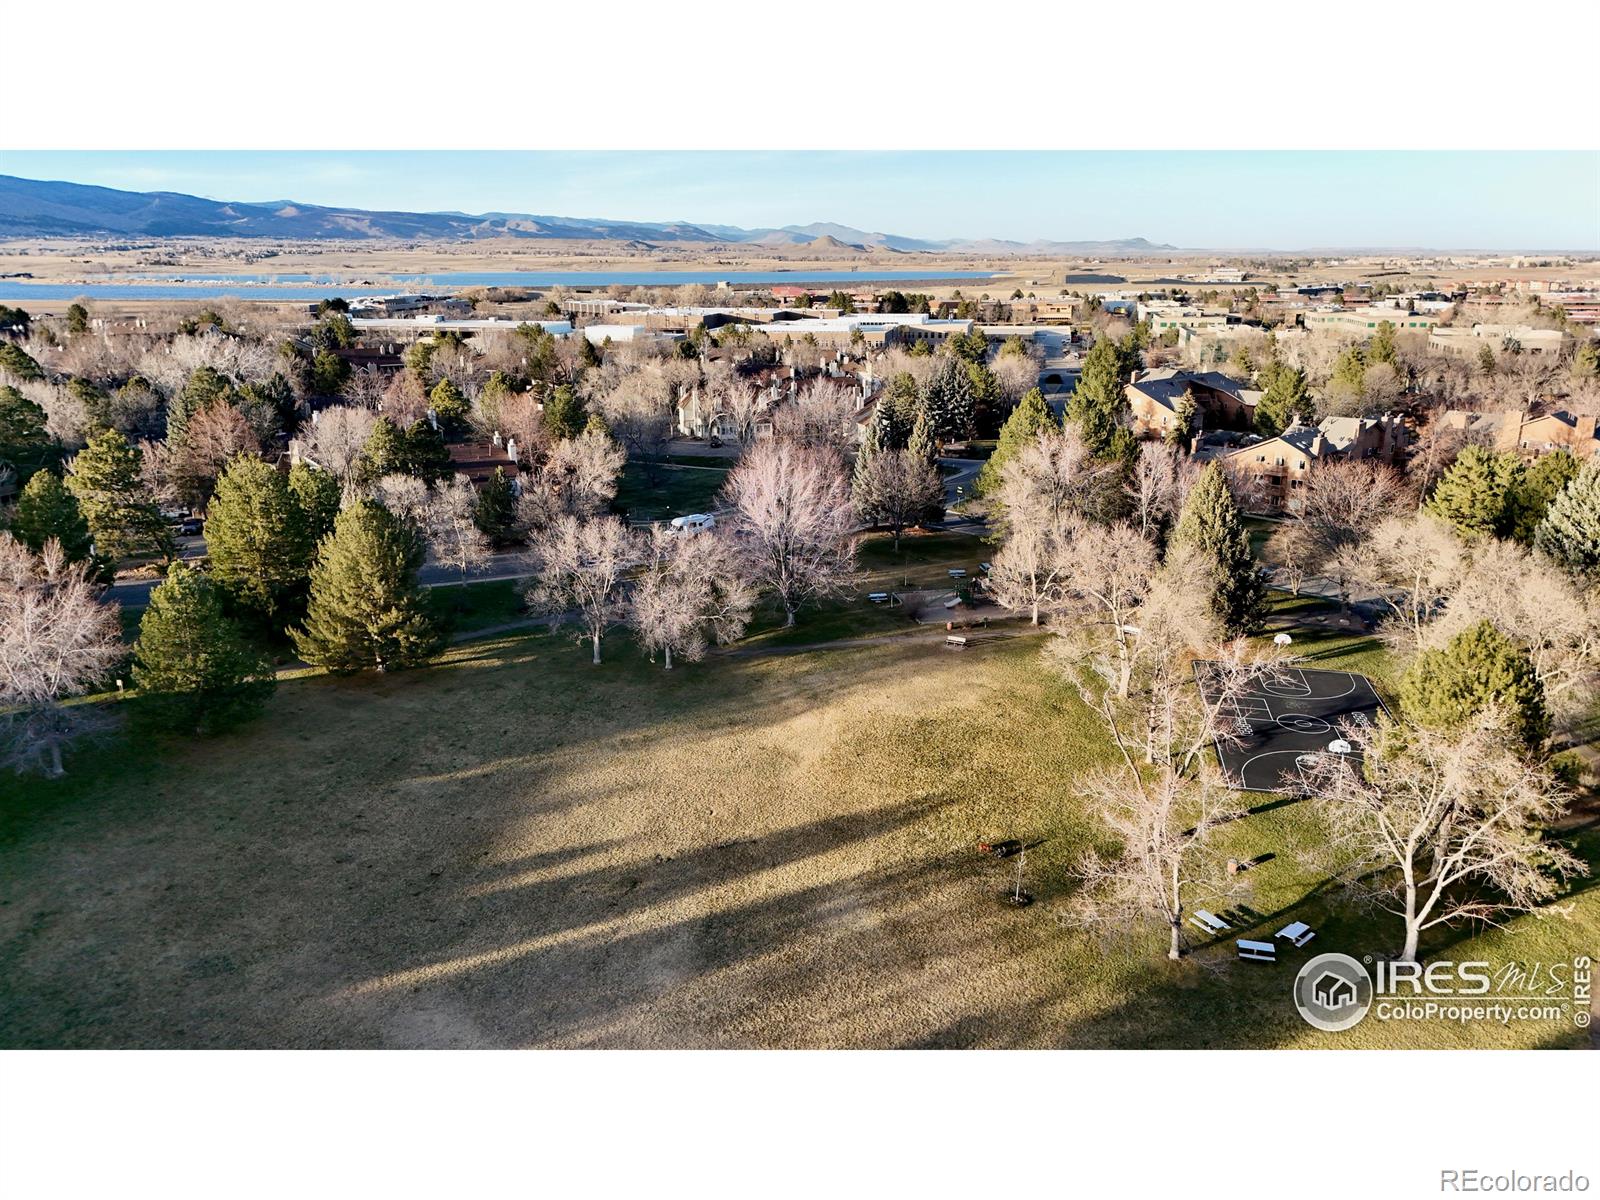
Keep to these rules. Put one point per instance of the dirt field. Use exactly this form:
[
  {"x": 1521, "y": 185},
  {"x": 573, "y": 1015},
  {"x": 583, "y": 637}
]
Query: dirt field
[{"x": 516, "y": 849}]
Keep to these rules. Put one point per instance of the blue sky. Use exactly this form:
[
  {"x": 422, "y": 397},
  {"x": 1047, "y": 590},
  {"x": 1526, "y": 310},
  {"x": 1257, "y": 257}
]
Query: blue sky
[{"x": 1279, "y": 200}]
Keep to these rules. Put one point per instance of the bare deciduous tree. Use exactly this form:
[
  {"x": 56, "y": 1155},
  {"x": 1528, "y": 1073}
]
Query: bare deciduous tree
[
  {"x": 1415, "y": 563},
  {"x": 691, "y": 591},
  {"x": 405, "y": 400},
  {"x": 213, "y": 435},
  {"x": 367, "y": 388},
  {"x": 1167, "y": 862},
  {"x": 1441, "y": 828},
  {"x": 639, "y": 411},
  {"x": 1108, "y": 573},
  {"x": 578, "y": 479},
  {"x": 337, "y": 439},
  {"x": 822, "y": 415},
  {"x": 1050, "y": 480},
  {"x": 406, "y": 496},
  {"x": 56, "y": 641},
  {"x": 1166, "y": 810},
  {"x": 447, "y": 523},
  {"x": 1156, "y": 486},
  {"x": 793, "y": 516},
  {"x": 896, "y": 489},
  {"x": 581, "y": 565},
  {"x": 1341, "y": 504},
  {"x": 1016, "y": 374}
]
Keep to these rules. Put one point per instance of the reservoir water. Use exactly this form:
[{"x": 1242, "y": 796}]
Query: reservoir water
[{"x": 289, "y": 286}]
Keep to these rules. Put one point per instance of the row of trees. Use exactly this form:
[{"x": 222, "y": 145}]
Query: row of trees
[{"x": 1497, "y": 633}]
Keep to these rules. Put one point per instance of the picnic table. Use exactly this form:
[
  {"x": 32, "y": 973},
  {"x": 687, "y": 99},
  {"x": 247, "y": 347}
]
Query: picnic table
[
  {"x": 1257, "y": 951},
  {"x": 1299, "y": 933},
  {"x": 1209, "y": 922}
]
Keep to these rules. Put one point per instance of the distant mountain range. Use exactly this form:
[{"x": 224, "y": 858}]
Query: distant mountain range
[{"x": 41, "y": 208}]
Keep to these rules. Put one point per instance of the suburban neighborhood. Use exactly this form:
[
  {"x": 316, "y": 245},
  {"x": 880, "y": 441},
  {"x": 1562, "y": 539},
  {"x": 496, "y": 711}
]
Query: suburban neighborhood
[
  {"x": 814, "y": 601},
  {"x": 642, "y": 584}
]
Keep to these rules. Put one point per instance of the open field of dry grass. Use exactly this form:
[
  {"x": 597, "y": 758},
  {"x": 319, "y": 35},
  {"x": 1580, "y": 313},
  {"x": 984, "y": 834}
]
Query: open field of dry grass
[{"x": 515, "y": 849}]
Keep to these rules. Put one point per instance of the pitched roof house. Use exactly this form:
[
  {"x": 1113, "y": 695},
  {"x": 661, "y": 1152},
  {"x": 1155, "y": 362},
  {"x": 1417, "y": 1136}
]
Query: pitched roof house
[
  {"x": 1529, "y": 436},
  {"x": 1273, "y": 471},
  {"x": 1221, "y": 402}
]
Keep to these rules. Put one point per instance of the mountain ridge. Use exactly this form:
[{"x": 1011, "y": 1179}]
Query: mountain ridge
[{"x": 59, "y": 208}]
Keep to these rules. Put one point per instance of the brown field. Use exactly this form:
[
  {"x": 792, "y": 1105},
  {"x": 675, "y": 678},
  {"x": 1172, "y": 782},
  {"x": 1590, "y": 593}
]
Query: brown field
[{"x": 516, "y": 849}]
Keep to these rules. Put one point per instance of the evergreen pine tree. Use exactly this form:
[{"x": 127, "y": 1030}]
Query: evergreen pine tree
[
  {"x": 1534, "y": 491},
  {"x": 25, "y": 442},
  {"x": 1210, "y": 523},
  {"x": 947, "y": 400},
  {"x": 47, "y": 510},
  {"x": 1381, "y": 348},
  {"x": 496, "y": 511},
  {"x": 122, "y": 515},
  {"x": 14, "y": 360},
  {"x": 1474, "y": 495},
  {"x": 564, "y": 412},
  {"x": 194, "y": 669},
  {"x": 1098, "y": 403},
  {"x": 205, "y": 386},
  {"x": 1448, "y": 686},
  {"x": 366, "y": 610},
  {"x": 329, "y": 373},
  {"x": 317, "y": 493},
  {"x": 985, "y": 399},
  {"x": 1569, "y": 535},
  {"x": 871, "y": 446},
  {"x": 1285, "y": 401},
  {"x": 385, "y": 452},
  {"x": 426, "y": 455},
  {"x": 259, "y": 545},
  {"x": 921, "y": 443},
  {"x": 449, "y": 403},
  {"x": 588, "y": 353},
  {"x": 1027, "y": 421}
]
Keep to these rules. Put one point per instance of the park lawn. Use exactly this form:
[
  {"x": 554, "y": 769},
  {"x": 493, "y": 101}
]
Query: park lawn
[
  {"x": 1259, "y": 530},
  {"x": 922, "y": 561},
  {"x": 516, "y": 848},
  {"x": 679, "y": 490},
  {"x": 469, "y": 607}
]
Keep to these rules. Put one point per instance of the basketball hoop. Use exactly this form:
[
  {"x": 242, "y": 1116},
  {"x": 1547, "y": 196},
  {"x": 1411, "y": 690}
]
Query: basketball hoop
[
  {"x": 1339, "y": 746},
  {"x": 1283, "y": 639}
]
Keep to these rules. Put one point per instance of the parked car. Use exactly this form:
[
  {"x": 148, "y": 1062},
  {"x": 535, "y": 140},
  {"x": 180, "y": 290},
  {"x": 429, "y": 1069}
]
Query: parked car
[{"x": 694, "y": 523}]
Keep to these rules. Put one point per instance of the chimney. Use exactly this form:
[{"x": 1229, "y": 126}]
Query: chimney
[
  {"x": 511, "y": 449},
  {"x": 496, "y": 438}
]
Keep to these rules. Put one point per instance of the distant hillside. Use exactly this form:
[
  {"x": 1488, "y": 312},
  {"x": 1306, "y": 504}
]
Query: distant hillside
[{"x": 41, "y": 208}]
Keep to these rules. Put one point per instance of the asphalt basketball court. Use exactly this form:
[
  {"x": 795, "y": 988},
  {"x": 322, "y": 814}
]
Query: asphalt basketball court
[{"x": 1293, "y": 716}]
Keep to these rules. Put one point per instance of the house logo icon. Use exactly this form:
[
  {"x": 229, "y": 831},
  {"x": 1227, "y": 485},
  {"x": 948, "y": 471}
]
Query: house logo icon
[{"x": 1333, "y": 992}]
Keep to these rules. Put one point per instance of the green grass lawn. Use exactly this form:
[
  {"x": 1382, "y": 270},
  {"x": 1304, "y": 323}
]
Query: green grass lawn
[
  {"x": 1260, "y": 529},
  {"x": 473, "y": 606},
  {"x": 516, "y": 848},
  {"x": 680, "y": 489}
]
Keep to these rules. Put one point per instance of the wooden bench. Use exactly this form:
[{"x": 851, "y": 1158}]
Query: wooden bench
[
  {"x": 1258, "y": 951},
  {"x": 953, "y": 603},
  {"x": 956, "y": 642}
]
